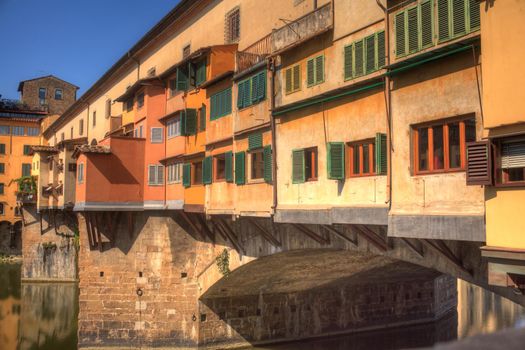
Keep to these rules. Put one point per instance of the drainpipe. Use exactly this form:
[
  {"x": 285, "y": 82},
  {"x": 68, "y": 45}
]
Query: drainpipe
[
  {"x": 388, "y": 107},
  {"x": 274, "y": 138},
  {"x": 315, "y": 4}
]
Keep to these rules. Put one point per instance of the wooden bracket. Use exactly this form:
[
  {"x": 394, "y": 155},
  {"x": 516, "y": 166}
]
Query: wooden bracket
[
  {"x": 231, "y": 236},
  {"x": 444, "y": 251},
  {"x": 413, "y": 247},
  {"x": 130, "y": 224},
  {"x": 205, "y": 228},
  {"x": 372, "y": 237},
  {"x": 267, "y": 235},
  {"x": 313, "y": 235},
  {"x": 341, "y": 235}
]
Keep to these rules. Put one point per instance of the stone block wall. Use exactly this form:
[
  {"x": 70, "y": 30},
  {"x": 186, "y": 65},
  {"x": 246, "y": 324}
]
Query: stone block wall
[{"x": 49, "y": 253}]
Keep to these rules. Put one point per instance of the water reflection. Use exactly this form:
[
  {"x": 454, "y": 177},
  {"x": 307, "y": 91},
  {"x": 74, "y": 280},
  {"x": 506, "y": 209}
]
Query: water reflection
[
  {"x": 44, "y": 316},
  {"x": 36, "y": 315}
]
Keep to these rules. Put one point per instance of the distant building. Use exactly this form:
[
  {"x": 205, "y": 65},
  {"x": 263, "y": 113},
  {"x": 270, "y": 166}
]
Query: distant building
[
  {"x": 48, "y": 93},
  {"x": 21, "y": 125}
]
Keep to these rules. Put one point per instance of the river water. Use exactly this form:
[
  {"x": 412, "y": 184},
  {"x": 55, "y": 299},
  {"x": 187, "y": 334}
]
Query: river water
[{"x": 44, "y": 316}]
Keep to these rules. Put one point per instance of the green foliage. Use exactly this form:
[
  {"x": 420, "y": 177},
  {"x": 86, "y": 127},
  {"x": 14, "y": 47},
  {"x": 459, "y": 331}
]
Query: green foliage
[
  {"x": 223, "y": 262},
  {"x": 49, "y": 246},
  {"x": 26, "y": 184}
]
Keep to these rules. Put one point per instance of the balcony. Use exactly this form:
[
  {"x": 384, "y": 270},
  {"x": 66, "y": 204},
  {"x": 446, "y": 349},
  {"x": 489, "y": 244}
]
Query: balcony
[
  {"x": 302, "y": 29},
  {"x": 110, "y": 176},
  {"x": 254, "y": 54}
]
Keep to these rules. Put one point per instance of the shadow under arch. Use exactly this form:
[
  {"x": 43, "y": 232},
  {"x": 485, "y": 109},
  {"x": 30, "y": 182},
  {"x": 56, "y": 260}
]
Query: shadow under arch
[{"x": 307, "y": 293}]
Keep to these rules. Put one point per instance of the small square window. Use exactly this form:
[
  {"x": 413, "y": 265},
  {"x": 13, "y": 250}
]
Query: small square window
[
  {"x": 233, "y": 26},
  {"x": 58, "y": 94}
]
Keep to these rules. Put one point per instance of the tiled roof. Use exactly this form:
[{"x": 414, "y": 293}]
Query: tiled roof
[
  {"x": 91, "y": 149},
  {"x": 47, "y": 149}
]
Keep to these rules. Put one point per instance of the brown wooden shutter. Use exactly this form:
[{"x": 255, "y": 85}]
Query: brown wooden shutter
[{"x": 479, "y": 163}]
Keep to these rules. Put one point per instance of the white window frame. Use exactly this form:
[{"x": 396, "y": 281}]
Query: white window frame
[
  {"x": 80, "y": 173},
  {"x": 155, "y": 181},
  {"x": 173, "y": 126},
  {"x": 174, "y": 173},
  {"x": 161, "y": 135}
]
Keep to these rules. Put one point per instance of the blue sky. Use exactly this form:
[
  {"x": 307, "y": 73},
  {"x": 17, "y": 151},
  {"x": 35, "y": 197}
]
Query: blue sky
[{"x": 76, "y": 40}]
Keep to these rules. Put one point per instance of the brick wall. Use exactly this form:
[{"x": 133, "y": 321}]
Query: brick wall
[{"x": 30, "y": 94}]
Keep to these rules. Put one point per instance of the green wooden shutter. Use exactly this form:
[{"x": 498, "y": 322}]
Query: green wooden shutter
[
  {"x": 336, "y": 160},
  {"x": 254, "y": 91},
  {"x": 247, "y": 94},
  {"x": 427, "y": 33},
  {"x": 298, "y": 172},
  {"x": 348, "y": 61},
  {"x": 201, "y": 72},
  {"x": 459, "y": 26},
  {"x": 240, "y": 95},
  {"x": 381, "y": 53},
  {"x": 2, "y": 148},
  {"x": 191, "y": 121},
  {"x": 202, "y": 121},
  {"x": 228, "y": 161},
  {"x": 370, "y": 49},
  {"x": 227, "y": 96},
  {"x": 443, "y": 20},
  {"x": 288, "y": 80},
  {"x": 26, "y": 169},
  {"x": 213, "y": 107},
  {"x": 296, "y": 85},
  {"x": 413, "y": 30},
  {"x": 359, "y": 58},
  {"x": 182, "y": 79},
  {"x": 319, "y": 69},
  {"x": 27, "y": 149},
  {"x": 261, "y": 91},
  {"x": 267, "y": 158},
  {"x": 239, "y": 168},
  {"x": 255, "y": 141},
  {"x": 186, "y": 175},
  {"x": 310, "y": 72},
  {"x": 2, "y": 168},
  {"x": 191, "y": 75},
  {"x": 474, "y": 15},
  {"x": 400, "y": 34},
  {"x": 183, "y": 123},
  {"x": 381, "y": 154},
  {"x": 207, "y": 170}
]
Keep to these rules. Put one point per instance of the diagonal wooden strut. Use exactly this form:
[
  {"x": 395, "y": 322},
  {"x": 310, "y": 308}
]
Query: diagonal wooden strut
[
  {"x": 371, "y": 237},
  {"x": 267, "y": 235},
  {"x": 205, "y": 228},
  {"x": 442, "y": 249},
  {"x": 340, "y": 234},
  {"x": 413, "y": 247},
  {"x": 231, "y": 236},
  {"x": 313, "y": 235}
]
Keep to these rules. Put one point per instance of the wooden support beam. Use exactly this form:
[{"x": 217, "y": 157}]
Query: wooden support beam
[
  {"x": 130, "y": 224},
  {"x": 41, "y": 229},
  {"x": 313, "y": 235},
  {"x": 371, "y": 237},
  {"x": 190, "y": 222},
  {"x": 231, "y": 236},
  {"x": 109, "y": 226},
  {"x": 205, "y": 228},
  {"x": 446, "y": 253},
  {"x": 89, "y": 228},
  {"x": 340, "y": 234},
  {"x": 99, "y": 235},
  {"x": 267, "y": 235},
  {"x": 413, "y": 247}
]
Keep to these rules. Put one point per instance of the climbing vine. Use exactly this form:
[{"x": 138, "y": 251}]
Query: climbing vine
[
  {"x": 223, "y": 262},
  {"x": 26, "y": 184}
]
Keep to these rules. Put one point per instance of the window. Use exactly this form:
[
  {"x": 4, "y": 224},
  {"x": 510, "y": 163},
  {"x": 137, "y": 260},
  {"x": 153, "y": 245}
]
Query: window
[
  {"x": 510, "y": 161},
  {"x": 186, "y": 175},
  {"x": 364, "y": 56},
  {"x": 202, "y": 118},
  {"x": 140, "y": 100},
  {"x": 197, "y": 173},
  {"x": 2, "y": 212},
  {"x": 2, "y": 168},
  {"x": 80, "y": 172},
  {"x": 2, "y": 148},
  {"x": 361, "y": 158},
  {"x": 182, "y": 83},
  {"x": 293, "y": 79},
  {"x": 155, "y": 175},
  {"x": 172, "y": 87},
  {"x": 1, "y": 188},
  {"x": 129, "y": 105},
  {"x": 42, "y": 95},
  {"x": 27, "y": 150},
  {"x": 189, "y": 122},
  {"x": 440, "y": 146},
  {"x": 200, "y": 72},
  {"x": 173, "y": 126},
  {"x": 81, "y": 126},
  {"x": 156, "y": 135},
  {"x": 186, "y": 51},
  {"x": 174, "y": 173},
  {"x": 252, "y": 90},
  {"x": 58, "y": 94},
  {"x": 256, "y": 165},
  {"x": 33, "y": 131},
  {"x": 304, "y": 165},
  {"x": 26, "y": 169},
  {"x": 108, "y": 108},
  {"x": 18, "y": 130},
  {"x": 71, "y": 133},
  {"x": 220, "y": 167},
  {"x": 62, "y": 137},
  {"x": 232, "y": 26},
  {"x": 315, "y": 70},
  {"x": 457, "y": 18},
  {"x": 141, "y": 133},
  {"x": 221, "y": 104},
  {"x": 94, "y": 119},
  {"x": 4, "y": 129}
]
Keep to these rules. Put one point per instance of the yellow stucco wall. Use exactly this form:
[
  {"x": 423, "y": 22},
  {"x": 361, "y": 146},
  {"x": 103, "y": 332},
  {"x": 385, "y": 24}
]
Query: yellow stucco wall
[{"x": 504, "y": 210}]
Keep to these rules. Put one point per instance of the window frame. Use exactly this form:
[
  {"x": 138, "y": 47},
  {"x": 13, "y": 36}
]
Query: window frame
[
  {"x": 61, "y": 94},
  {"x": 141, "y": 100},
  {"x": 80, "y": 173},
  {"x": 156, "y": 180},
  {"x": 173, "y": 127},
  {"x": 230, "y": 36},
  {"x": 216, "y": 159},
  {"x": 365, "y": 70},
  {"x": 293, "y": 76},
  {"x": 161, "y": 141},
  {"x": 42, "y": 101},
  {"x": 371, "y": 143},
  {"x": 217, "y": 101},
  {"x": 252, "y": 154},
  {"x": 174, "y": 173},
  {"x": 197, "y": 180},
  {"x": 414, "y": 130},
  {"x": 315, "y": 78},
  {"x": 498, "y": 169}
]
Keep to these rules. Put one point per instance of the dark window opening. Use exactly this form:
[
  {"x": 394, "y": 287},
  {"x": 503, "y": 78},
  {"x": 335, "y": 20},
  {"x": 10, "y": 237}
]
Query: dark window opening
[
  {"x": 310, "y": 164},
  {"x": 197, "y": 173},
  {"x": 220, "y": 167},
  {"x": 257, "y": 165}
]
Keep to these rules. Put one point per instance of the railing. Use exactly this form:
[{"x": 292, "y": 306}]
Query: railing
[
  {"x": 16, "y": 105},
  {"x": 254, "y": 53}
]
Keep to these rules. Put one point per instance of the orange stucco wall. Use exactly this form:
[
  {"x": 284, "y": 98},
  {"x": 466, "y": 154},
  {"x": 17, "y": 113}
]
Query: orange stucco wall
[{"x": 220, "y": 197}]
